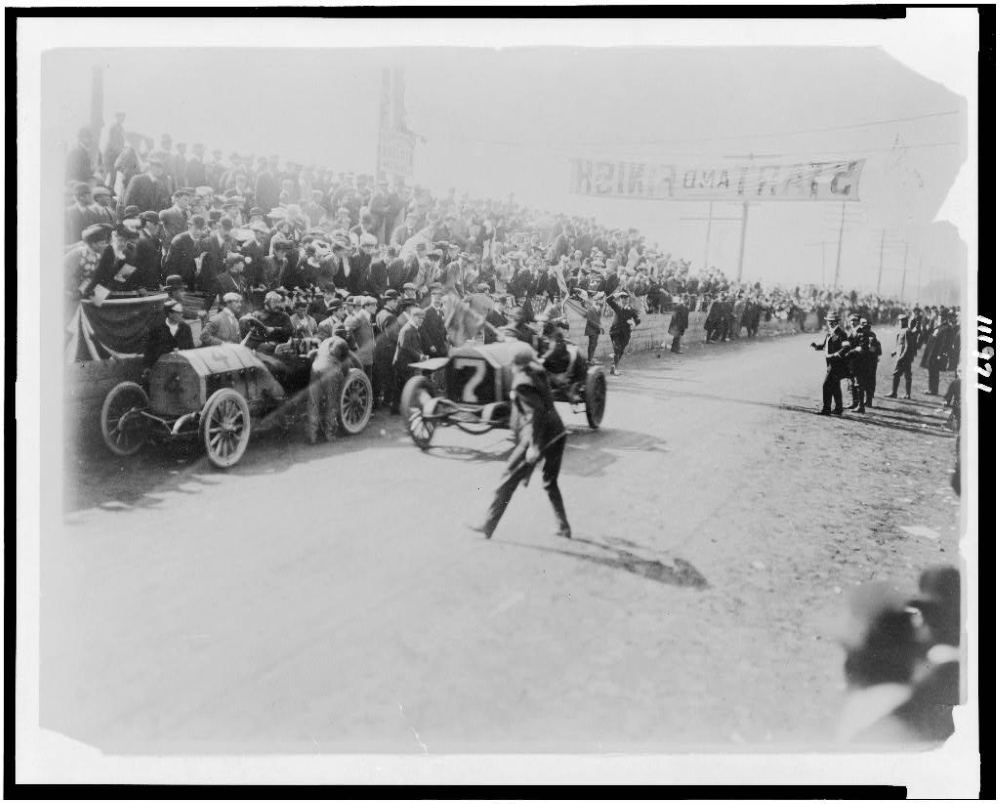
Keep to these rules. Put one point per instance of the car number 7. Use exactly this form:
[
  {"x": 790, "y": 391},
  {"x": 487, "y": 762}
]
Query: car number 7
[{"x": 469, "y": 391}]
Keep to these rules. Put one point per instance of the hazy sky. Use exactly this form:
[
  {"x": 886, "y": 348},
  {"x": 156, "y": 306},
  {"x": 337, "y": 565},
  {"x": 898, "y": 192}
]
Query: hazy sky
[{"x": 500, "y": 121}]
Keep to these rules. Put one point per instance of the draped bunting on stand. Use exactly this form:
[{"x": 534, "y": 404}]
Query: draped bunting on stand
[{"x": 115, "y": 328}]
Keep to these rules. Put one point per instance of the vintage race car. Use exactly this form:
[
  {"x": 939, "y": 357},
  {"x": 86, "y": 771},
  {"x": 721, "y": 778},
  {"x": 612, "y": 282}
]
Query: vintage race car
[
  {"x": 470, "y": 389},
  {"x": 217, "y": 394}
]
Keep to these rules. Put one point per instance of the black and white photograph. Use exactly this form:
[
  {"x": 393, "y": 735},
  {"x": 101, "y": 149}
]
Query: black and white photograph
[{"x": 497, "y": 400}]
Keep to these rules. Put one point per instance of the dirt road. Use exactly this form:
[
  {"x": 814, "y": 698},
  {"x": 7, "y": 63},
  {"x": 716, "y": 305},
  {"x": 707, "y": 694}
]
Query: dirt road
[{"x": 329, "y": 598}]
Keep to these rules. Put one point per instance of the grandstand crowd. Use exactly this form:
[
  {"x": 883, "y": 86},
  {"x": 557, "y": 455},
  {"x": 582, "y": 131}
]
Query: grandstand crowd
[{"x": 251, "y": 224}]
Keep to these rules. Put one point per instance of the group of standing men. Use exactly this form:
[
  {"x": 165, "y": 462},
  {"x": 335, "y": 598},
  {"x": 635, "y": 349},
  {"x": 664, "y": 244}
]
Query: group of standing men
[{"x": 853, "y": 353}]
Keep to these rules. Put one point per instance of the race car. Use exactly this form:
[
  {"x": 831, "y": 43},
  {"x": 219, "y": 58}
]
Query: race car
[
  {"x": 218, "y": 394},
  {"x": 470, "y": 389}
]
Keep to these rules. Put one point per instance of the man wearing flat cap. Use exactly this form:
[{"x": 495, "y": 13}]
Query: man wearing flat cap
[
  {"x": 224, "y": 326},
  {"x": 387, "y": 328},
  {"x": 169, "y": 335},
  {"x": 540, "y": 436},
  {"x": 104, "y": 206},
  {"x": 149, "y": 191}
]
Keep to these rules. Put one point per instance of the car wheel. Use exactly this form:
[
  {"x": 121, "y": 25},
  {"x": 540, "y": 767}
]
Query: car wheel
[
  {"x": 225, "y": 427},
  {"x": 123, "y": 426},
  {"x": 416, "y": 393},
  {"x": 354, "y": 409},
  {"x": 595, "y": 394}
]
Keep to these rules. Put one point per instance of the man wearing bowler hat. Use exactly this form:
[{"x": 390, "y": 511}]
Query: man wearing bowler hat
[{"x": 149, "y": 251}]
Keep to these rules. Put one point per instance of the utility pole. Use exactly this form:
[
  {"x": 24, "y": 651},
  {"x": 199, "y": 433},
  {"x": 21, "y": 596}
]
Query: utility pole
[
  {"x": 743, "y": 240},
  {"x": 746, "y": 208},
  {"x": 708, "y": 232},
  {"x": 96, "y": 111},
  {"x": 840, "y": 243},
  {"x": 881, "y": 251},
  {"x": 383, "y": 117},
  {"x": 920, "y": 268},
  {"x": 902, "y": 289}
]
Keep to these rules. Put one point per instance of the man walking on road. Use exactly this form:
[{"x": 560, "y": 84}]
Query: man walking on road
[
  {"x": 905, "y": 351},
  {"x": 540, "y": 435}
]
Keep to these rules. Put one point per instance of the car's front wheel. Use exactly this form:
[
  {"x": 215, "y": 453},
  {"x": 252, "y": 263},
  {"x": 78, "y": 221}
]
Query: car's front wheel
[{"x": 417, "y": 392}]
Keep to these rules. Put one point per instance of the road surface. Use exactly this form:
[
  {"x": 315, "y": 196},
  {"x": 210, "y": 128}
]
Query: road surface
[{"x": 329, "y": 598}]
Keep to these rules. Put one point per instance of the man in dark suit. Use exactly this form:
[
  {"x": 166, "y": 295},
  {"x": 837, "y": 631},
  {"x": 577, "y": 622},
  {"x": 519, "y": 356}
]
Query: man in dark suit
[
  {"x": 540, "y": 436},
  {"x": 175, "y": 217},
  {"x": 149, "y": 251},
  {"x": 409, "y": 349},
  {"x": 218, "y": 246},
  {"x": 433, "y": 333},
  {"x": 80, "y": 214},
  {"x": 149, "y": 191},
  {"x": 678, "y": 325},
  {"x": 184, "y": 249},
  {"x": 168, "y": 336},
  {"x": 386, "y": 337},
  {"x": 836, "y": 345}
]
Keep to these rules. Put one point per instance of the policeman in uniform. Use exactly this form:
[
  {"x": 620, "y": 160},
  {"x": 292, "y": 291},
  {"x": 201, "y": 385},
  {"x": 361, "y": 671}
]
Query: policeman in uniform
[
  {"x": 836, "y": 345},
  {"x": 871, "y": 351},
  {"x": 541, "y": 436}
]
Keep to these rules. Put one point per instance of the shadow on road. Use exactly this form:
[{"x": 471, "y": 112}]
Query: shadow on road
[
  {"x": 882, "y": 417},
  {"x": 589, "y": 452},
  {"x": 678, "y": 572},
  {"x": 93, "y": 477}
]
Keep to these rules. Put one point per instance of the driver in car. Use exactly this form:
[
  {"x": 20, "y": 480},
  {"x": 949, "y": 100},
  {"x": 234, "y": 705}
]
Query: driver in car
[
  {"x": 556, "y": 356},
  {"x": 272, "y": 328}
]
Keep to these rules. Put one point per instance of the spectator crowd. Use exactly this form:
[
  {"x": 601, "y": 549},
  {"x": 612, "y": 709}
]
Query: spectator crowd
[{"x": 202, "y": 228}]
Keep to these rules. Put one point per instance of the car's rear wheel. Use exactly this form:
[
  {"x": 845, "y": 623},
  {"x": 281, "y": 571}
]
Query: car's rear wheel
[
  {"x": 595, "y": 395},
  {"x": 123, "y": 426},
  {"x": 354, "y": 408},
  {"x": 225, "y": 427},
  {"x": 417, "y": 392}
]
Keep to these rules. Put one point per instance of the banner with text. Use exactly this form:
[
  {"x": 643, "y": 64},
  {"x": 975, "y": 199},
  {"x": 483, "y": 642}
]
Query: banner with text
[
  {"x": 396, "y": 153},
  {"x": 750, "y": 181}
]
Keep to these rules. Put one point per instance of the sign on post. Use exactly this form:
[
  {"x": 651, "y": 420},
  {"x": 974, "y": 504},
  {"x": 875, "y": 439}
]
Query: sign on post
[{"x": 396, "y": 153}]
